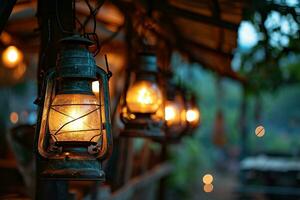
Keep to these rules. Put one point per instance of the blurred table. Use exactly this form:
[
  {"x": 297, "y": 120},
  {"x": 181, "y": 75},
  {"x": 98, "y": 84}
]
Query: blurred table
[{"x": 273, "y": 177}]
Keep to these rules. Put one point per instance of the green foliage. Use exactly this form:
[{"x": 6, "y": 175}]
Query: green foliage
[
  {"x": 263, "y": 65},
  {"x": 189, "y": 161}
]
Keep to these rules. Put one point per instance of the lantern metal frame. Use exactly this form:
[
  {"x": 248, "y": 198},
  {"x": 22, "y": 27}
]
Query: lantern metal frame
[
  {"x": 190, "y": 103},
  {"x": 173, "y": 133},
  {"x": 76, "y": 69},
  {"x": 143, "y": 124}
]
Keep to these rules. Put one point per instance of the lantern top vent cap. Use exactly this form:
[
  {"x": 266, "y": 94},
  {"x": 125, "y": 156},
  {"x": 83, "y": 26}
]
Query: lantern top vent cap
[{"x": 76, "y": 39}]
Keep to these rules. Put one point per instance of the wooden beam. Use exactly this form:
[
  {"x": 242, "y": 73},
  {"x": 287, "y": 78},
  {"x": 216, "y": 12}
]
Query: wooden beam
[
  {"x": 198, "y": 17},
  {"x": 50, "y": 15},
  {"x": 216, "y": 9},
  {"x": 6, "y": 7},
  {"x": 209, "y": 49},
  {"x": 144, "y": 180}
]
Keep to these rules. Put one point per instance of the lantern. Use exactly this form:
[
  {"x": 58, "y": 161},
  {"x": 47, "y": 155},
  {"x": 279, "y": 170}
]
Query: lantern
[
  {"x": 12, "y": 57},
  {"x": 175, "y": 122},
  {"x": 74, "y": 128},
  {"x": 142, "y": 110},
  {"x": 193, "y": 116}
]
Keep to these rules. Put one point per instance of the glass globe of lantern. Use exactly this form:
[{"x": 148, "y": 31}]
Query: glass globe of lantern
[
  {"x": 74, "y": 118},
  {"x": 144, "y": 97},
  {"x": 11, "y": 57},
  {"x": 172, "y": 113},
  {"x": 193, "y": 116},
  {"x": 175, "y": 112}
]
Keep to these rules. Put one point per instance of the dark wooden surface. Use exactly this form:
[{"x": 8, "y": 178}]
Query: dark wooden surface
[{"x": 5, "y": 11}]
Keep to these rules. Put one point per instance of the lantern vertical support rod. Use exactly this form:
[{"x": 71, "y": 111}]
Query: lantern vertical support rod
[{"x": 51, "y": 14}]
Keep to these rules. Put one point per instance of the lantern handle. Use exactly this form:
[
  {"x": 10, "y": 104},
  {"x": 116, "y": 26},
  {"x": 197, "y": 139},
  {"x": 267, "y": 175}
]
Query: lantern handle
[
  {"x": 106, "y": 148},
  {"x": 44, "y": 76}
]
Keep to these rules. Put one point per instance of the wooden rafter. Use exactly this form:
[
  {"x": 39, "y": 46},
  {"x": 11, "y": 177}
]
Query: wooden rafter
[
  {"x": 5, "y": 11},
  {"x": 175, "y": 11}
]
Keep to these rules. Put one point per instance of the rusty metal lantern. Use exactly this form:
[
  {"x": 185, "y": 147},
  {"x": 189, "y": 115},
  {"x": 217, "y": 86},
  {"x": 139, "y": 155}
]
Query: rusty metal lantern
[
  {"x": 142, "y": 107},
  {"x": 193, "y": 115},
  {"x": 74, "y": 128},
  {"x": 175, "y": 119}
]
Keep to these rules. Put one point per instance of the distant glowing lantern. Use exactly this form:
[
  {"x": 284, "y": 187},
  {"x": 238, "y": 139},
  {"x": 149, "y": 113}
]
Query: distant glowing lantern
[
  {"x": 11, "y": 57},
  {"x": 175, "y": 112},
  {"x": 172, "y": 113},
  {"x": 142, "y": 109},
  {"x": 193, "y": 115},
  {"x": 74, "y": 129}
]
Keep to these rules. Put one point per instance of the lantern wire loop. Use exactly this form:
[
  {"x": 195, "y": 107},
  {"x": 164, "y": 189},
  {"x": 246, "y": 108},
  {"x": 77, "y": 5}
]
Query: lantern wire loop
[
  {"x": 90, "y": 35},
  {"x": 67, "y": 115}
]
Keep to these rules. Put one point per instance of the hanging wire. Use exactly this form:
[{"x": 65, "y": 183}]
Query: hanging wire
[
  {"x": 82, "y": 28},
  {"x": 92, "y": 35},
  {"x": 59, "y": 20}
]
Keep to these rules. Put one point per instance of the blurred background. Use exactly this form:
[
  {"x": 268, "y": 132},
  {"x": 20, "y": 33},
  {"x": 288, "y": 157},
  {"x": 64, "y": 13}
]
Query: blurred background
[{"x": 241, "y": 61}]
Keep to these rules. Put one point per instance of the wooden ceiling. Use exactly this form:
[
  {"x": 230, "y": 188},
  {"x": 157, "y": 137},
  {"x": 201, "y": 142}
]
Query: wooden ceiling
[
  {"x": 204, "y": 30},
  {"x": 207, "y": 31}
]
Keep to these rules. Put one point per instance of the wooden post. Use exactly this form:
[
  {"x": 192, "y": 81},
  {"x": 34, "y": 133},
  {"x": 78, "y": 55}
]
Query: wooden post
[
  {"x": 5, "y": 11},
  {"x": 243, "y": 124},
  {"x": 53, "y": 16},
  {"x": 162, "y": 182},
  {"x": 125, "y": 161}
]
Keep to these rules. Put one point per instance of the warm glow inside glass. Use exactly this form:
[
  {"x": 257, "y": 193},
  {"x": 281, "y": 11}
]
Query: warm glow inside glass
[
  {"x": 193, "y": 115},
  {"x": 97, "y": 93},
  {"x": 172, "y": 113},
  {"x": 74, "y": 117},
  {"x": 144, "y": 97},
  {"x": 11, "y": 57},
  {"x": 95, "y": 87}
]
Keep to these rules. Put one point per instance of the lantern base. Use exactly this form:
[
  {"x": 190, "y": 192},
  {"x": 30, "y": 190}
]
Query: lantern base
[
  {"x": 72, "y": 170},
  {"x": 139, "y": 130},
  {"x": 168, "y": 140}
]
